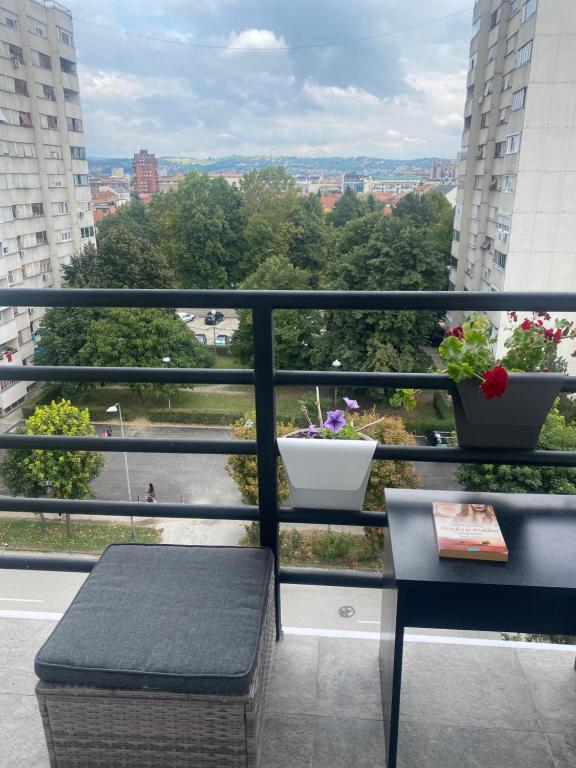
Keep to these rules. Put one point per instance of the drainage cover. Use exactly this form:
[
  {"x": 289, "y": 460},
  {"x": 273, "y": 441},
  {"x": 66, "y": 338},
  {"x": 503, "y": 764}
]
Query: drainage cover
[{"x": 347, "y": 611}]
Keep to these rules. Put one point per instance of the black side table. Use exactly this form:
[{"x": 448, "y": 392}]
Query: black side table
[{"x": 534, "y": 592}]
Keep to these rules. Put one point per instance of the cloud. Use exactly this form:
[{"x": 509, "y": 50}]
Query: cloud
[{"x": 255, "y": 39}]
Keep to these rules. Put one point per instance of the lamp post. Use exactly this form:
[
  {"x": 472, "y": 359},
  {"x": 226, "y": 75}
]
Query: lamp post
[
  {"x": 336, "y": 365},
  {"x": 166, "y": 361},
  {"x": 117, "y": 409}
]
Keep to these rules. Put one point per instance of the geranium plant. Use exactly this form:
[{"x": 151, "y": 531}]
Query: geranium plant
[{"x": 467, "y": 350}]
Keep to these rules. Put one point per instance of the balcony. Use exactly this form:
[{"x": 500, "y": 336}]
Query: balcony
[{"x": 467, "y": 701}]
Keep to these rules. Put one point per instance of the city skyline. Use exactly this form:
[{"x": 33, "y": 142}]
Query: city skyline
[{"x": 399, "y": 95}]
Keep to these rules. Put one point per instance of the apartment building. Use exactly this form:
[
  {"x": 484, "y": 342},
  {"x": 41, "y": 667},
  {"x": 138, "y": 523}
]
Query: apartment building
[
  {"x": 145, "y": 173},
  {"x": 515, "y": 225},
  {"x": 45, "y": 207}
]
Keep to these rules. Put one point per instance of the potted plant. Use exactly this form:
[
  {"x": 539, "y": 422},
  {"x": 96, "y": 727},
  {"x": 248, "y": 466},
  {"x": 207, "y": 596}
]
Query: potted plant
[
  {"x": 328, "y": 464},
  {"x": 502, "y": 403}
]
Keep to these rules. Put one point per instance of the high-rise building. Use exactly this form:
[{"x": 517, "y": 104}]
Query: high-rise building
[
  {"x": 515, "y": 225},
  {"x": 45, "y": 207},
  {"x": 145, "y": 172}
]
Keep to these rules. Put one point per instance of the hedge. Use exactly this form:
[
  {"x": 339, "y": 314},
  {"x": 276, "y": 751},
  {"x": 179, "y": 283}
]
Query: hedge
[
  {"x": 96, "y": 414},
  {"x": 441, "y": 406},
  {"x": 188, "y": 416},
  {"x": 424, "y": 424}
]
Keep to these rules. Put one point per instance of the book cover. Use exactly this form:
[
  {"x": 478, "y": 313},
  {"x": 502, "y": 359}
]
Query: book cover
[{"x": 468, "y": 531}]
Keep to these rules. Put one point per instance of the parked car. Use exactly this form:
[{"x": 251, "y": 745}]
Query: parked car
[
  {"x": 213, "y": 317},
  {"x": 221, "y": 339},
  {"x": 186, "y": 317},
  {"x": 439, "y": 438},
  {"x": 201, "y": 337}
]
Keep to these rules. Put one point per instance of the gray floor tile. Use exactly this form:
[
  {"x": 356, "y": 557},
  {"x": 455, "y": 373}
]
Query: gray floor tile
[
  {"x": 564, "y": 749},
  {"x": 22, "y": 742},
  {"x": 552, "y": 681},
  {"x": 349, "y": 679},
  {"x": 287, "y": 742},
  {"x": 431, "y": 746},
  {"x": 459, "y": 685},
  {"x": 294, "y": 685},
  {"x": 346, "y": 742}
]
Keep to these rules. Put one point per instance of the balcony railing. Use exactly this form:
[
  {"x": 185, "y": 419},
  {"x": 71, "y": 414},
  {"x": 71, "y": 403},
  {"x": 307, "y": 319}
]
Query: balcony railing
[{"x": 265, "y": 378}]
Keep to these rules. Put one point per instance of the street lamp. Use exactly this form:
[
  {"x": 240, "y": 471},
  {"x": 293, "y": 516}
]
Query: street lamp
[
  {"x": 166, "y": 361},
  {"x": 117, "y": 409},
  {"x": 336, "y": 365}
]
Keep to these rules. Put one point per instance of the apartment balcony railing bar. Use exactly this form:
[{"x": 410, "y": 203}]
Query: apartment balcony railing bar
[{"x": 265, "y": 378}]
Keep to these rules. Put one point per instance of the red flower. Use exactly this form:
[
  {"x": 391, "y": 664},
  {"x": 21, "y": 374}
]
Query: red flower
[
  {"x": 513, "y": 315},
  {"x": 545, "y": 315},
  {"x": 495, "y": 382},
  {"x": 458, "y": 331},
  {"x": 526, "y": 325}
]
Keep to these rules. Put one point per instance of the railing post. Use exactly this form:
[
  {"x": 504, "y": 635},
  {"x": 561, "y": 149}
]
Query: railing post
[{"x": 263, "y": 335}]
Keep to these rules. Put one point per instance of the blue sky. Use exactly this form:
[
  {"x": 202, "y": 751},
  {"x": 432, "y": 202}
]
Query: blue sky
[{"x": 398, "y": 96}]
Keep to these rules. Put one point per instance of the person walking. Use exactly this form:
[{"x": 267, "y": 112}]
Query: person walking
[{"x": 151, "y": 493}]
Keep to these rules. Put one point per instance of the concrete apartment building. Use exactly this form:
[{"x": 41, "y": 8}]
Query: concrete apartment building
[
  {"x": 515, "y": 225},
  {"x": 45, "y": 207},
  {"x": 145, "y": 173}
]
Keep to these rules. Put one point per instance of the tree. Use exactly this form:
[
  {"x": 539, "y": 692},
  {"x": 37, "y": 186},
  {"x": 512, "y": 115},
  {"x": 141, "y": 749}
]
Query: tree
[
  {"x": 556, "y": 435},
  {"x": 347, "y": 208},
  {"x": 200, "y": 226},
  {"x": 295, "y": 332},
  {"x": 123, "y": 259},
  {"x": 380, "y": 253},
  {"x": 59, "y": 474},
  {"x": 134, "y": 217},
  {"x": 141, "y": 338},
  {"x": 310, "y": 237}
]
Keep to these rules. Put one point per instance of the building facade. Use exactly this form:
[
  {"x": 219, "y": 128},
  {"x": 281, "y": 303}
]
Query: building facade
[
  {"x": 45, "y": 207},
  {"x": 515, "y": 225},
  {"x": 145, "y": 173}
]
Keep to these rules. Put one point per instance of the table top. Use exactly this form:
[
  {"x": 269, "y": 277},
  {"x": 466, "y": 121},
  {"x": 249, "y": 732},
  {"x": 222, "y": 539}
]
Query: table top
[{"x": 540, "y": 531}]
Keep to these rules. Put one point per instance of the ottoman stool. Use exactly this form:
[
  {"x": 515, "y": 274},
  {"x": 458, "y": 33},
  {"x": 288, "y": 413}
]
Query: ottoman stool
[{"x": 161, "y": 661}]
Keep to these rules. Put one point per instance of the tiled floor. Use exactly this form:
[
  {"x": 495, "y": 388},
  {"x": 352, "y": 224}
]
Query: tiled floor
[{"x": 463, "y": 706}]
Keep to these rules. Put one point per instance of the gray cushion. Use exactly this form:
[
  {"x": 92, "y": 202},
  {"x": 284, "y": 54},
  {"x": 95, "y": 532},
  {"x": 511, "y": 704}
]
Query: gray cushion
[{"x": 168, "y": 617}]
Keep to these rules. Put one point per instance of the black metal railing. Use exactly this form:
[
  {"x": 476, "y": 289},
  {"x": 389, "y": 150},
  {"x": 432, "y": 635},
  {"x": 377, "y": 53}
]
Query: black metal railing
[{"x": 265, "y": 378}]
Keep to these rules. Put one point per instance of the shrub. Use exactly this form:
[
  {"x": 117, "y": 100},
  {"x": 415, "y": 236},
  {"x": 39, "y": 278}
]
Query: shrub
[
  {"x": 189, "y": 416},
  {"x": 441, "y": 406}
]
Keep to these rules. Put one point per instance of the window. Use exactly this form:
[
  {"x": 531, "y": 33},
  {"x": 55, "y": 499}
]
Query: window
[
  {"x": 503, "y": 116},
  {"x": 22, "y": 180},
  {"x": 467, "y": 122},
  {"x": 37, "y": 209},
  {"x": 512, "y": 143},
  {"x": 478, "y": 182},
  {"x": 68, "y": 66},
  {"x": 20, "y": 87},
  {"x": 487, "y": 244},
  {"x": 514, "y": 8},
  {"x": 511, "y": 44},
  {"x": 52, "y": 152},
  {"x": 46, "y": 92},
  {"x": 475, "y": 212},
  {"x": 518, "y": 98},
  {"x": 495, "y": 183},
  {"x": 25, "y": 119},
  {"x": 74, "y": 124},
  {"x": 492, "y": 211},
  {"x": 81, "y": 180},
  {"x": 523, "y": 54},
  {"x": 37, "y": 28},
  {"x": 485, "y": 119},
  {"x": 488, "y": 87},
  {"x": 15, "y": 276},
  {"x": 473, "y": 60},
  {"x": 491, "y": 55},
  {"x": 481, "y": 152},
  {"x": 503, "y": 223},
  {"x": 456, "y": 236},
  {"x": 65, "y": 36},
  {"x": 458, "y": 211},
  {"x": 60, "y": 208},
  {"x": 56, "y": 180},
  {"x": 508, "y": 183},
  {"x": 49, "y": 121},
  {"x": 476, "y": 26},
  {"x": 13, "y": 52},
  {"x": 529, "y": 9},
  {"x": 86, "y": 232},
  {"x": 507, "y": 81},
  {"x": 71, "y": 96},
  {"x": 494, "y": 19},
  {"x": 78, "y": 153},
  {"x": 41, "y": 238},
  {"x": 17, "y": 149},
  {"x": 8, "y": 19},
  {"x": 65, "y": 235},
  {"x": 499, "y": 259},
  {"x": 41, "y": 60}
]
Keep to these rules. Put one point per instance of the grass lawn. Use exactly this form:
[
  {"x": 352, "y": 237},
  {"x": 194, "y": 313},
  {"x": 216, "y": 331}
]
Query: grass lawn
[{"x": 31, "y": 536}]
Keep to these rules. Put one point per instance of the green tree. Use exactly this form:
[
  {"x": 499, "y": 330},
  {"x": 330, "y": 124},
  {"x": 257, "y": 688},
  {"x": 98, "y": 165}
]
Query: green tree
[
  {"x": 295, "y": 332},
  {"x": 380, "y": 253},
  {"x": 141, "y": 338},
  {"x": 310, "y": 237},
  {"x": 200, "y": 226},
  {"x": 556, "y": 435},
  {"x": 134, "y": 217},
  {"x": 59, "y": 474},
  {"x": 347, "y": 208}
]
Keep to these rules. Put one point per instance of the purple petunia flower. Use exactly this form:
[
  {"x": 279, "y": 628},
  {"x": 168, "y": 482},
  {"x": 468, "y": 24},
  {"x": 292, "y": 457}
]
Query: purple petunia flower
[
  {"x": 335, "y": 421},
  {"x": 351, "y": 405},
  {"x": 311, "y": 431}
]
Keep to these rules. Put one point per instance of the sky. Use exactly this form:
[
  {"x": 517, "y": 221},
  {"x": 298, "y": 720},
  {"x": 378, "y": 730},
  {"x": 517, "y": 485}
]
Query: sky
[{"x": 398, "y": 96}]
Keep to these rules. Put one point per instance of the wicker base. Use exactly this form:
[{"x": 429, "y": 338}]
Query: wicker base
[{"x": 89, "y": 727}]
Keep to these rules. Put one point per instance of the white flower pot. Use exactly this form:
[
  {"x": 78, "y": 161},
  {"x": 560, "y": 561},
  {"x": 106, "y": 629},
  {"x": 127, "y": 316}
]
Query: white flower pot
[{"x": 327, "y": 474}]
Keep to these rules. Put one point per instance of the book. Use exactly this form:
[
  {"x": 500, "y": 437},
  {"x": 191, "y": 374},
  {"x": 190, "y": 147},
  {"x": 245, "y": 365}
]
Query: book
[{"x": 468, "y": 531}]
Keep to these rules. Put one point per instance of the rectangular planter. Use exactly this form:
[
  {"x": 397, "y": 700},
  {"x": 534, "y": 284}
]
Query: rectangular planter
[{"x": 513, "y": 420}]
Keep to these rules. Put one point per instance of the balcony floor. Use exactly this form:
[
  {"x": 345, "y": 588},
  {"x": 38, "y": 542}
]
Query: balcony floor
[{"x": 463, "y": 705}]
